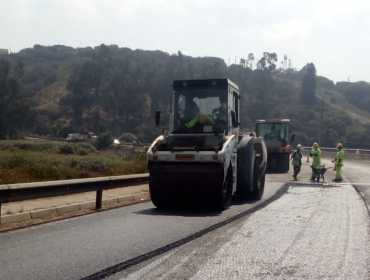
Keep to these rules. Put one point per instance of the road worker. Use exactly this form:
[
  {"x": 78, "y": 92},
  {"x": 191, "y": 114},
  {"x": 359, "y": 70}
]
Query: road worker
[
  {"x": 297, "y": 161},
  {"x": 198, "y": 120},
  {"x": 316, "y": 161},
  {"x": 339, "y": 158},
  {"x": 202, "y": 119}
]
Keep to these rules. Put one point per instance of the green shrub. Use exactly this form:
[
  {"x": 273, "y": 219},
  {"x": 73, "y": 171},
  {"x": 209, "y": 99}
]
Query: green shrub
[
  {"x": 104, "y": 140},
  {"x": 16, "y": 160},
  {"x": 128, "y": 137},
  {"x": 82, "y": 152},
  {"x": 87, "y": 146},
  {"x": 66, "y": 150}
]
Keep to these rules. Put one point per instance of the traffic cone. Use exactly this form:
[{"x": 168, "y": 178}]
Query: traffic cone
[
  {"x": 308, "y": 159},
  {"x": 335, "y": 164}
]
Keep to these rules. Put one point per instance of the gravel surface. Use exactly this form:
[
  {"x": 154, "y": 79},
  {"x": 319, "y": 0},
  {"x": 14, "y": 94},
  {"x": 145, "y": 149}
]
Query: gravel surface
[{"x": 311, "y": 232}]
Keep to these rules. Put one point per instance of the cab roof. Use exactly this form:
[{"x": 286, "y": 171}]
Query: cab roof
[
  {"x": 273, "y": 121},
  {"x": 206, "y": 83}
]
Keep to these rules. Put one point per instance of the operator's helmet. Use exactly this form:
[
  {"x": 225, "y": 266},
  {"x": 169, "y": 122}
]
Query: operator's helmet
[
  {"x": 299, "y": 147},
  {"x": 339, "y": 145},
  {"x": 315, "y": 145}
]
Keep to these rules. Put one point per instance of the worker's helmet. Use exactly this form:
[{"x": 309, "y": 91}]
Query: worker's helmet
[
  {"x": 339, "y": 145},
  {"x": 203, "y": 118},
  {"x": 299, "y": 147},
  {"x": 315, "y": 145}
]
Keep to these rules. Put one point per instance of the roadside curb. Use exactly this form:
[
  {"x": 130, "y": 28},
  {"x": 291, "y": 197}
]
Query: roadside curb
[{"x": 59, "y": 210}]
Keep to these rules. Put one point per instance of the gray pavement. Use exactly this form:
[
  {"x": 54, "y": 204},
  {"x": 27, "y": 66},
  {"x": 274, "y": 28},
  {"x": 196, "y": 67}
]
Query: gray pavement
[{"x": 313, "y": 231}]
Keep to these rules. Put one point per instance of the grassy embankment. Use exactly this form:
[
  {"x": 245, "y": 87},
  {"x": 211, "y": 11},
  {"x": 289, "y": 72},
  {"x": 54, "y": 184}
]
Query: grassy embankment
[{"x": 24, "y": 161}]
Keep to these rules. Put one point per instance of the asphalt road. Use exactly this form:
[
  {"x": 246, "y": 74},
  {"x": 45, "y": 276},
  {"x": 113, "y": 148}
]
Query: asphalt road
[
  {"x": 79, "y": 247},
  {"x": 358, "y": 174},
  {"x": 311, "y": 232},
  {"x": 314, "y": 231}
]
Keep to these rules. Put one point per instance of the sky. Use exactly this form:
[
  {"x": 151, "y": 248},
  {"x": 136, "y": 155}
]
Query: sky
[{"x": 332, "y": 34}]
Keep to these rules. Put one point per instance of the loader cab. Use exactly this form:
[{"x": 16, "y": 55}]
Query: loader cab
[
  {"x": 269, "y": 130},
  {"x": 274, "y": 131},
  {"x": 204, "y": 107},
  {"x": 204, "y": 114}
]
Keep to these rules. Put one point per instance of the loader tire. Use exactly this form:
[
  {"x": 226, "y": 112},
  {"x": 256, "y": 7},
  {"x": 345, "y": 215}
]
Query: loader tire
[
  {"x": 159, "y": 197},
  {"x": 246, "y": 157},
  {"x": 287, "y": 162},
  {"x": 158, "y": 200},
  {"x": 223, "y": 194},
  {"x": 258, "y": 182}
]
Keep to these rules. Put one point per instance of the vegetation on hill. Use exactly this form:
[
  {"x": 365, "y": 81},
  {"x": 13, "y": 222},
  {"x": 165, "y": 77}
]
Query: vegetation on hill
[{"x": 59, "y": 90}]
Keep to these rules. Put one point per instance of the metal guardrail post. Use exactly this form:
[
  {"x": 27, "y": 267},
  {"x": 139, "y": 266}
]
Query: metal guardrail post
[{"x": 99, "y": 197}]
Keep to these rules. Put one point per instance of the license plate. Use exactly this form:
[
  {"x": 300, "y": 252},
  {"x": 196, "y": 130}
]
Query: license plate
[{"x": 185, "y": 157}]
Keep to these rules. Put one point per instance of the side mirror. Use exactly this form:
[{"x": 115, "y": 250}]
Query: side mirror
[
  {"x": 157, "y": 117},
  {"x": 233, "y": 119},
  {"x": 292, "y": 138}
]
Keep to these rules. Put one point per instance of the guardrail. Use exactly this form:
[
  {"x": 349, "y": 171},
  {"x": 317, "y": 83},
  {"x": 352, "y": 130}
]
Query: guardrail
[
  {"x": 357, "y": 154},
  {"x": 347, "y": 151},
  {"x": 24, "y": 191}
]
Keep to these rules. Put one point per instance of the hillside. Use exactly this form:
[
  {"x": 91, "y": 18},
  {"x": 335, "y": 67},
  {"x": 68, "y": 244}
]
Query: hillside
[{"x": 106, "y": 88}]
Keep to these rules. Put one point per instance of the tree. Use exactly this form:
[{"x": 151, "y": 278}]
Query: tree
[
  {"x": 128, "y": 137},
  {"x": 242, "y": 62},
  {"x": 261, "y": 64},
  {"x": 104, "y": 140},
  {"x": 250, "y": 60},
  {"x": 308, "y": 91},
  {"x": 267, "y": 62},
  {"x": 13, "y": 104},
  {"x": 82, "y": 85},
  {"x": 272, "y": 59},
  {"x": 285, "y": 62}
]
